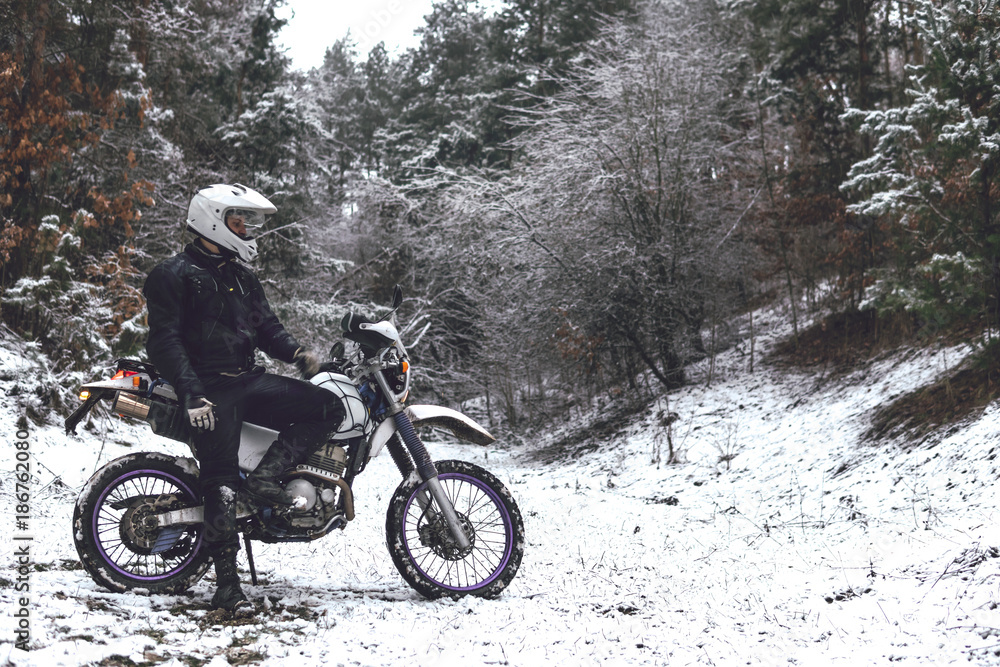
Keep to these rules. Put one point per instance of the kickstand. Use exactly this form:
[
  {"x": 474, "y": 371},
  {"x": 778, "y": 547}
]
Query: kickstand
[{"x": 253, "y": 570}]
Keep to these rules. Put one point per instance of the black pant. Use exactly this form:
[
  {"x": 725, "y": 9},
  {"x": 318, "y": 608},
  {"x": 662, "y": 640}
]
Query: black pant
[{"x": 303, "y": 414}]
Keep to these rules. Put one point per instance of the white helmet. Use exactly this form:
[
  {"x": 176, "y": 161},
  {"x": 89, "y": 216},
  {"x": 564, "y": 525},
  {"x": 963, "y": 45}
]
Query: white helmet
[{"x": 209, "y": 208}]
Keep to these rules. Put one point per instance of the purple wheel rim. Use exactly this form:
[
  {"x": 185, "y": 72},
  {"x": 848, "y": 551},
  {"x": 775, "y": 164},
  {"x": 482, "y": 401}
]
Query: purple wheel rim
[
  {"x": 103, "y": 521},
  {"x": 452, "y": 483}
]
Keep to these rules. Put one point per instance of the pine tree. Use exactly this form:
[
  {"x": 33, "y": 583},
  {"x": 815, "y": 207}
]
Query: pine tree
[
  {"x": 811, "y": 60},
  {"x": 65, "y": 84},
  {"x": 934, "y": 168},
  {"x": 72, "y": 107}
]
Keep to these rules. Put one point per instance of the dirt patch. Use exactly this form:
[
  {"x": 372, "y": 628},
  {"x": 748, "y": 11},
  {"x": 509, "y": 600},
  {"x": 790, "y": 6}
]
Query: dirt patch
[
  {"x": 947, "y": 401},
  {"x": 232, "y": 619},
  {"x": 845, "y": 340},
  {"x": 589, "y": 437}
]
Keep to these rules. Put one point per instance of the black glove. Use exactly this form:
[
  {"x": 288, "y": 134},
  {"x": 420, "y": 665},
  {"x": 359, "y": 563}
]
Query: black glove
[
  {"x": 307, "y": 362},
  {"x": 200, "y": 413}
]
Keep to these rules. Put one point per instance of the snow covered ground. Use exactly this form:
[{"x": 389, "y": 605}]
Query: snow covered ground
[{"x": 779, "y": 539}]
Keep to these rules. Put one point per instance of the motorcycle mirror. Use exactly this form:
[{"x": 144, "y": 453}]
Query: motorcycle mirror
[
  {"x": 397, "y": 298},
  {"x": 337, "y": 351}
]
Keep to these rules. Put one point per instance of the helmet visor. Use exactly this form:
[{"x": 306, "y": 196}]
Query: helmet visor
[{"x": 244, "y": 222}]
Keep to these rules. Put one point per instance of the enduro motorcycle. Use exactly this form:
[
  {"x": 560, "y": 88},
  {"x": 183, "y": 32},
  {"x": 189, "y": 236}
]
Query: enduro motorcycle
[{"x": 452, "y": 528}]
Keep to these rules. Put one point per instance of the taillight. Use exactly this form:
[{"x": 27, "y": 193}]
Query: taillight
[{"x": 137, "y": 380}]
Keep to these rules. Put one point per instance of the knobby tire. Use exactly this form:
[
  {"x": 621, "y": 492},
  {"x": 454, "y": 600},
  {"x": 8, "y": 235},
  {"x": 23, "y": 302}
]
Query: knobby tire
[
  {"x": 422, "y": 549},
  {"x": 116, "y": 548}
]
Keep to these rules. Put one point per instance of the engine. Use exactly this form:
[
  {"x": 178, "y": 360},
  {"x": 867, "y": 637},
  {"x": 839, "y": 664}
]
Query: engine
[{"x": 318, "y": 489}]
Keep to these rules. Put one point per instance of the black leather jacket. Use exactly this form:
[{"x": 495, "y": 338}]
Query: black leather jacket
[{"x": 207, "y": 315}]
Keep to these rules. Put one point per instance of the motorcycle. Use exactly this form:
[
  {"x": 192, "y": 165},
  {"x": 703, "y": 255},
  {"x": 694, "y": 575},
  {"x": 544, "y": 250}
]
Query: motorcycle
[{"x": 452, "y": 528}]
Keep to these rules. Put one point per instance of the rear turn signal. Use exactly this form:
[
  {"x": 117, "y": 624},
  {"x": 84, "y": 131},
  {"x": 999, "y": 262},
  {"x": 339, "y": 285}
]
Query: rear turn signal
[{"x": 84, "y": 395}]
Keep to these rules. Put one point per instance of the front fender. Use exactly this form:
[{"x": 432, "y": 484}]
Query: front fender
[{"x": 433, "y": 415}]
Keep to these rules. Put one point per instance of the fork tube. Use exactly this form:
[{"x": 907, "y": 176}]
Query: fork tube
[
  {"x": 417, "y": 450},
  {"x": 425, "y": 467},
  {"x": 400, "y": 456},
  {"x": 430, "y": 475}
]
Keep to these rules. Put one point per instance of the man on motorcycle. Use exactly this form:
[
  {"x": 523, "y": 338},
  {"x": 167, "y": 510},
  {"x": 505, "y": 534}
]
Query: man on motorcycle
[{"x": 207, "y": 316}]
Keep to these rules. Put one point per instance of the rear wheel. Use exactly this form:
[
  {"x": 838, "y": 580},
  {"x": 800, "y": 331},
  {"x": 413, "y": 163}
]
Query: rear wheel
[
  {"x": 116, "y": 535},
  {"x": 424, "y": 550}
]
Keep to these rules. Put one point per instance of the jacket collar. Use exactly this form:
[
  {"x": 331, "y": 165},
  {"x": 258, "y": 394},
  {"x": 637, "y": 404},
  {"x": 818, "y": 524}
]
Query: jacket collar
[{"x": 204, "y": 258}]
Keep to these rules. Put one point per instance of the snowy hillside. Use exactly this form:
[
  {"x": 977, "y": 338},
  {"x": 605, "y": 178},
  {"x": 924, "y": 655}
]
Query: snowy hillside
[{"x": 779, "y": 539}]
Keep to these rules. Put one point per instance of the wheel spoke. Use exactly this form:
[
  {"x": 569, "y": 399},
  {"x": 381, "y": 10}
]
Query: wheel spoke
[
  {"x": 481, "y": 514},
  {"x": 115, "y": 539}
]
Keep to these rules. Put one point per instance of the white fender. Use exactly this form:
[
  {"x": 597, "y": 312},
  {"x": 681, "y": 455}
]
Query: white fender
[
  {"x": 128, "y": 384},
  {"x": 432, "y": 415}
]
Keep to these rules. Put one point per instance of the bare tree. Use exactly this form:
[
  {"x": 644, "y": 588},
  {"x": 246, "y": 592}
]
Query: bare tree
[
  {"x": 630, "y": 192},
  {"x": 615, "y": 239}
]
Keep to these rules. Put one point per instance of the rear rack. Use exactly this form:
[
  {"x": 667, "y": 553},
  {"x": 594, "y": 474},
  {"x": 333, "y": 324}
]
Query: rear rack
[{"x": 137, "y": 367}]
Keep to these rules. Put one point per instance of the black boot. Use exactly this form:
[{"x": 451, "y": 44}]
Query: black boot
[
  {"x": 229, "y": 595},
  {"x": 261, "y": 484}
]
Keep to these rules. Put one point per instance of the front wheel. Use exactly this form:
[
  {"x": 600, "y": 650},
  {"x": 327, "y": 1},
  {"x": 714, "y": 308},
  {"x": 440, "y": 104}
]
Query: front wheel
[
  {"x": 117, "y": 537},
  {"x": 424, "y": 550}
]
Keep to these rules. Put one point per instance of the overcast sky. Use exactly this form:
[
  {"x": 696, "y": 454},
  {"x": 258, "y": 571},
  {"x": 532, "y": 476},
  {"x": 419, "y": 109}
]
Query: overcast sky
[{"x": 317, "y": 24}]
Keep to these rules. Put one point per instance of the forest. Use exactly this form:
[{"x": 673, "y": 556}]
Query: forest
[{"x": 578, "y": 197}]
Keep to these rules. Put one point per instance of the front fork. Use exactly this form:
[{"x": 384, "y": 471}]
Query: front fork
[
  {"x": 428, "y": 473},
  {"x": 425, "y": 468}
]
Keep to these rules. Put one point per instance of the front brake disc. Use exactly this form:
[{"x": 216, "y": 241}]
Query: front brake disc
[{"x": 436, "y": 536}]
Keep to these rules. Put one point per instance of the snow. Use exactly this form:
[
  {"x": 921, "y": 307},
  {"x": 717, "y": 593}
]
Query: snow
[{"x": 781, "y": 538}]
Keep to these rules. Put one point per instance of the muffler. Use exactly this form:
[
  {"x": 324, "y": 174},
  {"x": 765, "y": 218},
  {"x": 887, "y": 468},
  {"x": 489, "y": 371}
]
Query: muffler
[{"x": 130, "y": 405}]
